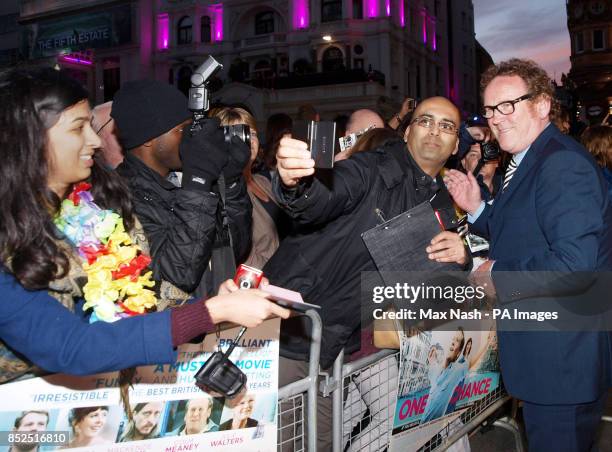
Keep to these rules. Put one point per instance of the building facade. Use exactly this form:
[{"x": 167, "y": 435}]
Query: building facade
[
  {"x": 590, "y": 28},
  {"x": 338, "y": 55}
]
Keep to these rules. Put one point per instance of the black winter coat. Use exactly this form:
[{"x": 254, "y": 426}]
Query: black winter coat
[
  {"x": 325, "y": 264},
  {"x": 181, "y": 225}
]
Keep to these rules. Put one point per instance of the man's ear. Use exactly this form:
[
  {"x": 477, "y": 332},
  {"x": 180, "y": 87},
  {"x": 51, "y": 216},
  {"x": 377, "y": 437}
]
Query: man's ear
[
  {"x": 406, "y": 132},
  {"x": 456, "y": 146},
  {"x": 543, "y": 106}
]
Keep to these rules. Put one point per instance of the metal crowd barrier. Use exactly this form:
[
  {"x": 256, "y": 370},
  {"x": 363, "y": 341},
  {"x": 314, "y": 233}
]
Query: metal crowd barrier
[
  {"x": 292, "y": 427},
  {"x": 361, "y": 427}
]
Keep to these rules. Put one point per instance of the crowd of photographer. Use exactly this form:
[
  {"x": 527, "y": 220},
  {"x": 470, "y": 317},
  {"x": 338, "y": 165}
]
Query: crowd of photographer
[{"x": 173, "y": 194}]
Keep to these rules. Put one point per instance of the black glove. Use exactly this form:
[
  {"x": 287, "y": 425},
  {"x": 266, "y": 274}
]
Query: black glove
[
  {"x": 204, "y": 155},
  {"x": 239, "y": 156}
]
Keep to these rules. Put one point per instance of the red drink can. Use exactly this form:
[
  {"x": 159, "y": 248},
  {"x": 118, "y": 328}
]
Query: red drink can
[{"x": 248, "y": 277}]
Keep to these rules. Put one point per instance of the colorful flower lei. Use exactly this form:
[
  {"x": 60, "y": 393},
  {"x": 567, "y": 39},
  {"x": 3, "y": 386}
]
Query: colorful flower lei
[{"x": 116, "y": 285}]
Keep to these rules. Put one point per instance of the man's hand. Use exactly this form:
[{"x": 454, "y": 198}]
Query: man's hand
[
  {"x": 447, "y": 247},
  {"x": 204, "y": 155},
  {"x": 248, "y": 308},
  {"x": 464, "y": 189},
  {"x": 407, "y": 107},
  {"x": 480, "y": 133},
  {"x": 239, "y": 154},
  {"x": 293, "y": 161}
]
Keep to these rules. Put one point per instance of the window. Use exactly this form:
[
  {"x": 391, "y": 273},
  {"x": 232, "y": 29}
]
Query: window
[
  {"x": 205, "y": 31},
  {"x": 598, "y": 40},
  {"x": 333, "y": 60},
  {"x": 184, "y": 29},
  {"x": 597, "y": 7},
  {"x": 357, "y": 9},
  {"x": 302, "y": 66},
  {"x": 358, "y": 63},
  {"x": 111, "y": 82},
  {"x": 264, "y": 23},
  {"x": 331, "y": 10},
  {"x": 579, "y": 42}
]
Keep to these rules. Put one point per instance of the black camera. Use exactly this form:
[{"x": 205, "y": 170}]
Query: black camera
[
  {"x": 489, "y": 151},
  {"x": 241, "y": 131}
]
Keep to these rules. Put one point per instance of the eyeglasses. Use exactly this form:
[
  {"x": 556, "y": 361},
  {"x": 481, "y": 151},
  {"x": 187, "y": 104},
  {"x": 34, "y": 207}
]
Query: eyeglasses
[
  {"x": 505, "y": 108},
  {"x": 428, "y": 122}
]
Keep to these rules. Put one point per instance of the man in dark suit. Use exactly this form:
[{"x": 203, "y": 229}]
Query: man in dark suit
[{"x": 551, "y": 214}]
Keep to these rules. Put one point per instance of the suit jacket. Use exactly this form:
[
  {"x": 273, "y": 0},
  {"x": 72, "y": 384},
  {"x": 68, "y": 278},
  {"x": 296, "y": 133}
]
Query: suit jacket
[{"x": 554, "y": 216}]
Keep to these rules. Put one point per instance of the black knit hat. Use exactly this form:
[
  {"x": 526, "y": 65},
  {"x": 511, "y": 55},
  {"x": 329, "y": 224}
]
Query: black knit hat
[{"x": 146, "y": 109}]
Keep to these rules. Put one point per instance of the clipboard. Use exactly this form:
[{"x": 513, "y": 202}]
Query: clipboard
[{"x": 399, "y": 243}]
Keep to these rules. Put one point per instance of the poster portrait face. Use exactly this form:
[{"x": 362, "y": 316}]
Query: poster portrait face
[
  {"x": 244, "y": 409},
  {"x": 197, "y": 414},
  {"x": 32, "y": 421},
  {"x": 147, "y": 418}
]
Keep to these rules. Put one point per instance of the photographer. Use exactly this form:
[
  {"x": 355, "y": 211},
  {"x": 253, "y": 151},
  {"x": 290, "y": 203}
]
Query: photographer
[{"x": 182, "y": 224}]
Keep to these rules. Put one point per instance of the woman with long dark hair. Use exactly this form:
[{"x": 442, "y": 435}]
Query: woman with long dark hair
[{"x": 67, "y": 229}]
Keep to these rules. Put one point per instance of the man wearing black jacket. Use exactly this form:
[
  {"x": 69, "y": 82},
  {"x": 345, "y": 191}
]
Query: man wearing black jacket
[
  {"x": 182, "y": 224},
  {"x": 325, "y": 264}
]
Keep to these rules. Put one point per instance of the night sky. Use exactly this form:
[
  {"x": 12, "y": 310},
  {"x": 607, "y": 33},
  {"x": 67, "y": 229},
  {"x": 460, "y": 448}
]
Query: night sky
[{"x": 535, "y": 29}]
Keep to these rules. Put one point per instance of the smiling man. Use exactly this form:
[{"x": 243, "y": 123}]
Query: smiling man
[
  {"x": 551, "y": 214},
  {"x": 325, "y": 264}
]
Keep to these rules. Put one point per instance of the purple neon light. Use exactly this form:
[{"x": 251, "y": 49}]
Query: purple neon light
[
  {"x": 163, "y": 31},
  {"x": 76, "y": 60},
  {"x": 217, "y": 11},
  {"x": 424, "y": 27},
  {"x": 402, "y": 13},
  {"x": 434, "y": 42},
  {"x": 301, "y": 14},
  {"x": 388, "y": 7},
  {"x": 372, "y": 8}
]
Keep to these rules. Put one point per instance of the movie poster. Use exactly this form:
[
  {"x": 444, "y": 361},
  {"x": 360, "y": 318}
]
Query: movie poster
[
  {"x": 441, "y": 373},
  {"x": 170, "y": 412}
]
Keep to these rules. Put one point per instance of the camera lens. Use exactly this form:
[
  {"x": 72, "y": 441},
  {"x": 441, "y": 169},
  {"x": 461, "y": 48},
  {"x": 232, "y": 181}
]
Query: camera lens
[
  {"x": 490, "y": 151},
  {"x": 241, "y": 131}
]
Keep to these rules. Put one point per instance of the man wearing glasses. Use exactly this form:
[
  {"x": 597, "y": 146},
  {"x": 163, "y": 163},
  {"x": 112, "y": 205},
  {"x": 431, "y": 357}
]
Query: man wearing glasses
[
  {"x": 325, "y": 264},
  {"x": 551, "y": 214}
]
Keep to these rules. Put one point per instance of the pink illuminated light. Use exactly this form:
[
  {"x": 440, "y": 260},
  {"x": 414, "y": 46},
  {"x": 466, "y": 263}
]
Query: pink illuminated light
[
  {"x": 163, "y": 27},
  {"x": 388, "y": 7},
  {"x": 76, "y": 60},
  {"x": 301, "y": 14},
  {"x": 424, "y": 27},
  {"x": 434, "y": 42},
  {"x": 372, "y": 8},
  {"x": 402, "y": 14},
  {"x": 217, "y": 14}
]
